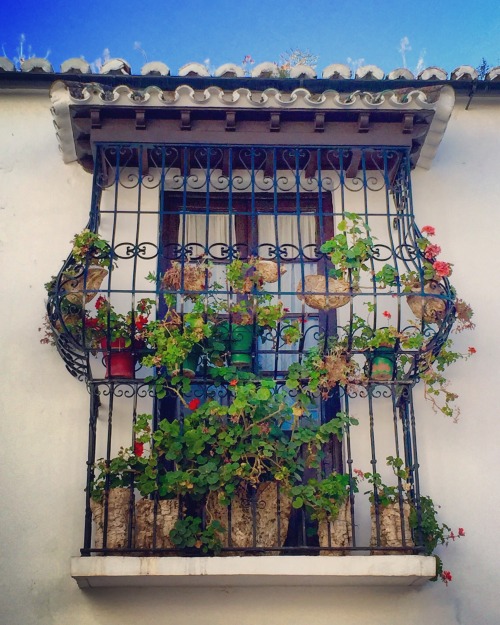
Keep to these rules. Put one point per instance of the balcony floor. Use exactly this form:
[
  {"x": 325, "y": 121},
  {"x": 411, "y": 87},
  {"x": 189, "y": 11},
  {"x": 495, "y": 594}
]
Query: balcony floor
[{"x": 244, "y": 571}]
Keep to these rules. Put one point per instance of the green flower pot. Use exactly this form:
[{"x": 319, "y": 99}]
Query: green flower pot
[
  {"x": 190, "y": 364},
  {"x": 239, "y": 341},
  {"x": 382, "y": 364}
]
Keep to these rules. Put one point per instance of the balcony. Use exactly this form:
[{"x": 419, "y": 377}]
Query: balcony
[{"x": 251, "y": 323}]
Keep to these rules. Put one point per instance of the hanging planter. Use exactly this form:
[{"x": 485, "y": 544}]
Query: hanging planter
[
  {"x": 429, "y": 309},
  {"x": 317, "y": 292},
  {"x": 118, "y": 359},
  {"x": 382, "y": 362},
  {"x": 186, "y": 277},
  {"x": 83, "y": 288},
  {"x": 118, "y": 517},
  {"x": 269, "y": 516},
  {"x": 245, "y": 276},
  {"x": 190, "y": 364},
  {"x": 157, "y": 524}
]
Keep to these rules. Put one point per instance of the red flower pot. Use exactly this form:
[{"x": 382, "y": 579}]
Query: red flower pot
[{"x": 119, "y": 360}]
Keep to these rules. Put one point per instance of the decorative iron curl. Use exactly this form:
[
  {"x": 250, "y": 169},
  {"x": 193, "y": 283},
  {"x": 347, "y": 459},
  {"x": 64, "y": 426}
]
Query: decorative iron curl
[{"x": 132, "y": 250}]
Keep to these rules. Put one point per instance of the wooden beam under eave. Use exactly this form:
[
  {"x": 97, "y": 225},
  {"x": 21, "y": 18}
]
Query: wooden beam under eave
[
  {"x": 144, "y": 161},
  {"x": 353, "y": 168}
]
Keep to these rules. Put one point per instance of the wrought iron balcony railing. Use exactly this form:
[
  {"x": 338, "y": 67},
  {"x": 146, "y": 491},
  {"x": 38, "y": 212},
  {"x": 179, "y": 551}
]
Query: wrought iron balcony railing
[{"x": 251, "y": 322}]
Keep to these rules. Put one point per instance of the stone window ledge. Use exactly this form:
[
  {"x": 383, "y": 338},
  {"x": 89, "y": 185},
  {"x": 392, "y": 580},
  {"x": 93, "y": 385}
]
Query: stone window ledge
[{"x": 245, "y": 571}]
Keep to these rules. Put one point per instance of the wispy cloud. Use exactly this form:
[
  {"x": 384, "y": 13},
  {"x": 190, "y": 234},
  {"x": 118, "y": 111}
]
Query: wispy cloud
[
  {"x": 99, "y": 62},
  {"x": 354, "y": 64},
  {"x": 139, "y": 48},
  {"x": 421, "y": 62},
  {"x": 404, "y": 47}
]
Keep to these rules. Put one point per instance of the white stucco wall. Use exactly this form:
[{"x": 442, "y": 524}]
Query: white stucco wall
[{"x": 44, "y": 411}]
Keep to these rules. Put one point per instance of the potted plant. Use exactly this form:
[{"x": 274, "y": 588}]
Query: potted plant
[
  {"x": 186, "y": 277},
  {"x": 178, "y": 342},
  {"x": 249, "y": 275},
  {"x": 158, "y": 511},
  {"x": 327, "y": 501},
  {"x": 237, "y": 457},
  {"x": 256, "y": 313},
  {"x": 91, "y": 256},
  {"x": 111, "y": 500},
  {"x": 117, "y": 334},
  {"x": 349, "y": 251},
  {"x": 390, "y": 510},
  {"x": 322, "y": 370}
]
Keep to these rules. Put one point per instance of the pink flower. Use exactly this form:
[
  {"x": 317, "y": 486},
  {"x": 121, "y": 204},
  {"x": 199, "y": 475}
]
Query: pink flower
[
  {"x": 359, "y": 473},
  {"x": 138, "y": 449},
  {"x": 193, "y": 404},
  {"x": 430, "y": 230},
  {"x": 446, "y": 577},
  {"x": 387, "y": 314},
  {"x": 431, "y": 251},
  {"x": 441, "y": 268},
  {"x": 461, "y": 531}
]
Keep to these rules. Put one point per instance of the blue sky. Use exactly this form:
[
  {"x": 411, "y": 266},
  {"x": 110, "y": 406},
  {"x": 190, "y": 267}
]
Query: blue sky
[{"x": 438, "y": 32}]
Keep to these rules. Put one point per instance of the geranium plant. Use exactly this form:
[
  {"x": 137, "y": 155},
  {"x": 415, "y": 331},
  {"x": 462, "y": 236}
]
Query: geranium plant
[{"x": 109, "y": 325}]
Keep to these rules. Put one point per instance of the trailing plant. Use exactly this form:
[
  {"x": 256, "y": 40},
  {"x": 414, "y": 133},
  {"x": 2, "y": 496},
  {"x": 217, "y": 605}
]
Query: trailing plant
[
  {"x": 350, "y": 249},
  {"x": 323, "y": 498},
  {"x": 431, "y": 533},
  {"x": 189, "y": 533},
  {"x": 91, "y": 248}
]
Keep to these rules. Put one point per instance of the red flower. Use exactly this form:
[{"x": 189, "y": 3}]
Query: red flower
[
  {"x": 387, "y": 314},
  {"x": 446, "y": 577},
  {"x": 92, "y": 322},
  {"x": 441, "y": 268},
  {"x": 142, "y": 305},
  {"x": 140, "y": 322},
  {"x": 431, "y": 251},
  {"x": 286, "y": 310},
  {"x": 472, "y": 350},
  {"x": 233, "y": 382},
  {"x": 194, "y": 403},
  {"x": 461, "y": 531},
  {"x": 138, "y": 448},
  {"x": 101, "y": 301},
  {"x": 430, "y": 230}
]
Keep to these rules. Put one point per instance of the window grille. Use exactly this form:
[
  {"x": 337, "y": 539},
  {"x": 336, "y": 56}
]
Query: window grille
[{"x": 164, "y": 206}]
